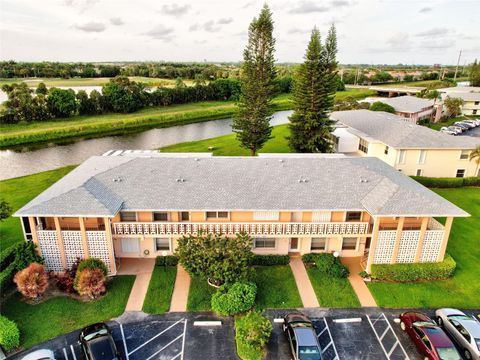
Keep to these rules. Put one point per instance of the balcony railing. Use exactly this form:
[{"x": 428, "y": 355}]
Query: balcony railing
[{"x": 278, "y": 228}]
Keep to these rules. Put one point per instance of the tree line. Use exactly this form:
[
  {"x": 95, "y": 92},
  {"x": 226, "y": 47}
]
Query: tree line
[{"x": 119, "y": 95}]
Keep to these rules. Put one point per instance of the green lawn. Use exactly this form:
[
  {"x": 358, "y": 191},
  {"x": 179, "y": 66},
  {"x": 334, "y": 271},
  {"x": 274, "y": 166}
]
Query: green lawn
[
  {"x": 200, "y": 295},
  {"x": 461, "y": 291},
  {"x": 439, "y": 125},
  {"x": 160, "y": 290},
  {"x": 332, "y": 292},
  {"x": 38, "y": 323},
  {"x": 17, "y": 192},
  {"x": 276, "y": 288}
]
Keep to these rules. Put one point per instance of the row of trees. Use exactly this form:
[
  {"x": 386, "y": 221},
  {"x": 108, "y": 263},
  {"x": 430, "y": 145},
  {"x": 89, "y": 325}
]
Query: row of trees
[
  {"x": 315, "y": 84},
  {"x": 351, "y": 77},
  {"x": 12, "y": 69}
]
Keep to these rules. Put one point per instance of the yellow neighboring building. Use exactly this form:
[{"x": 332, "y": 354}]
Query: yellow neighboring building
[
  {"x": 470, "y": 96},
  {"x": 412, "y": 149},
  {"x": 134, "y": 205}
]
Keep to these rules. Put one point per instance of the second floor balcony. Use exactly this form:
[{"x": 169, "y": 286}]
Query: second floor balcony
[{"x": 251, "y": 228}]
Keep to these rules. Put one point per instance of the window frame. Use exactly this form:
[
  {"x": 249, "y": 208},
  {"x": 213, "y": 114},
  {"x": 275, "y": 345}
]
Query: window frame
[
  {"x": 130, "y": 239},
  {"x": 325, "y": 240},
  {"x": 462, "y": 172},
  {"x": 386, "y": 150},
  {"x": 422, "y": 157},
  {"x": 347, "y": 213},
  {"x": 350, "y": 237},
  {"x": 464, "y": 156},
  {"x": 264, "y": 239},
  {"x": 419, "y": 172},
  {"x": 363, "y": 145},
  {"x": 217, "y": 213},
  {"x": 160, "y": 212},
  {"x": 182, "y": 213},
  {"x": 131, "y": 212},
  {"x": 155, "y": 244},
  {"x": 402, "y": 157}
]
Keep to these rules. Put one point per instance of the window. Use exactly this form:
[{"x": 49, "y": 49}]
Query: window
[
  {"x": 128, "y": 216},
  {"x": 422, "y": 156},
  {"x": 264, "y": 243},
  {"x": 419, "y": 172},
  {"x": 402, "y": 156},
  {"x": 27, "y": 231},
  {"x": 185, "y": 216},
  {"x": 217, "y": 214},
  {"x": 321, "y": 216},
  {"x": 349, "y": 244},
  {"x": 460, "y": 173},
  {"x": 474, "y": 112},
  {"x": 130, "y": 245},
  {"x": 266, "y": 215},
  {"x": 464, "y": 154},
  {"x": 477, "y": 102},
  {"x": 386, "y": 150},
  {"x": 162, "y": 244},
  {"x": 353, "y": 216},
  {"x": 319, "y": 244},
  {"x": 160, "y": 216},
  {"x": 363, "y": 146}
]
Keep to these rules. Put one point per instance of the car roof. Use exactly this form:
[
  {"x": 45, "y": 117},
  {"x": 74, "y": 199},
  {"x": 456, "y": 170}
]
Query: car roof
[
  {"x": 437, "y": 336},
  {"x": 472, "y": 326},
  {"x": 306, "y": 337},
  {"x": 101, "y": 347}
]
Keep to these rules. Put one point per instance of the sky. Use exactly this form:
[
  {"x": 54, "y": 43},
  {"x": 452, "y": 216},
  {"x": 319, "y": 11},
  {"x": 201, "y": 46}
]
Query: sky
[{"x": 369, "y": 31}]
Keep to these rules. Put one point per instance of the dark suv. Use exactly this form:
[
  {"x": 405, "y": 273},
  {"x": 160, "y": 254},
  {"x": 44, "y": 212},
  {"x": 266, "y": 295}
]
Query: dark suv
[
  {"x": 302, "y": 337},
  {"x": 97, "y": 343}
]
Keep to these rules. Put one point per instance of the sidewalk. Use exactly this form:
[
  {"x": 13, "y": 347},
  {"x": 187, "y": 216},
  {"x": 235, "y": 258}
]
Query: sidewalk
[
  {"x": 180, "y": 291},
  {"x": 305, "y": 288},
  {"x": 143, "y": 269},
  {"x": 363, "y": 293}
]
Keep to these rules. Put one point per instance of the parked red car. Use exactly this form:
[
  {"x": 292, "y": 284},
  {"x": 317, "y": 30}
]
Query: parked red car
[{"x": 429, "y": 338}]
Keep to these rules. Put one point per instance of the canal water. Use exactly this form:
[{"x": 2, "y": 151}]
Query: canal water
[{"x": 26, "y": 161}]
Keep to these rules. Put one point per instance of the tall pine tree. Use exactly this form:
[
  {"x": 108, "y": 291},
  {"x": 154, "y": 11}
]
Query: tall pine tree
[
  {"x": 252, "y": 122},
  {"x": 313, "y": 95}
]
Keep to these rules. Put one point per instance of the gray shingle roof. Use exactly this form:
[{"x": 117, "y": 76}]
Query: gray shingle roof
[
  {"x": 465, "y": 96},
  {"x": 171, "y": 183},
  {"x": 407, "y": 104},
  {"x": 394, "y": 131}
]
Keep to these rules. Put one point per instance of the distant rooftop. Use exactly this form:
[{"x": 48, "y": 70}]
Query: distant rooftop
[
  {"x": 104, "y": 185},
  {"x": 394, "y": 131},
  {"x": 465, "y": 96},
  {"x": 407, "y": 104},
  {"x": 460, "y": 89}
]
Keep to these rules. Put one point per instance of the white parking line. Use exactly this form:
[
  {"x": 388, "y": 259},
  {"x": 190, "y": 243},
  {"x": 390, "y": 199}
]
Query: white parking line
[
  {"x": 65, "y": 354},
  {"x": 153, "y": 338},
  {"x": 331, "y": 343},
  {"x": 73, "y": 352},
  {"x": 183, "y": 341},
  {"x": 163, "y": 348},
  {"x": 382, "y": 317},
  {"x": 124, "y": 342}
]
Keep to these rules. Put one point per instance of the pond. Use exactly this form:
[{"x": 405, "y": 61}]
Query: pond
[{"x": 26, "y": 161}]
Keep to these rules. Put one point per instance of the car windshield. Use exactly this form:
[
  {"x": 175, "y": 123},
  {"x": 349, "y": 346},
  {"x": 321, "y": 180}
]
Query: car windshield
[
  {"x": 459, "y": 317},
  {"x": 95, "y": 334},
  {"x": 309, "y": 353},
  {"x": 102, "y": 349},
  {"x": 448, "y": 353},
  {"x": 423, "y": 323}
]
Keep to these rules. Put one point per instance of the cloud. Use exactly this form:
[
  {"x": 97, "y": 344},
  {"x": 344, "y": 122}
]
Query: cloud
[
  {"x": 225, "y": 21},
  {"x": 434, "y": 32},
  {"x": 209, "y": 26},
  {"x": 116, "y": 21},
  {"x": 296, "y": 30},
  {"x": 339, "y": 3},
  {"x": 176, "y": 10},
  {"x": 305, "y": 7},
  {"x": 91, "y": 27},
  {"x": 81, "y": 5},
  {"x": 425, "y": 9},
  {"x": 248, "y": 4},
  {"x": 161, "y": 32},
  {"x": 437, "y": 45}
]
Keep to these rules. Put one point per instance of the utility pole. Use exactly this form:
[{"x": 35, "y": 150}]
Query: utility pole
[{"x": 456, "y": 68}]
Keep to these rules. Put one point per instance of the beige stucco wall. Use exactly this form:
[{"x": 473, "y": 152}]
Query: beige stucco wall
[{"x": 468, "y": 108}]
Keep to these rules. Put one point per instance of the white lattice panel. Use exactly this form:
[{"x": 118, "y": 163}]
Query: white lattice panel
[
  {"x": 408, "y": 246},
  {"x": 98, "y": 246},
  {"x": 431, "y": 245},
  {"x": 47, "y": 240},
  {"x": 384, "y": 249},
  {"x": 72, "y": 241}
]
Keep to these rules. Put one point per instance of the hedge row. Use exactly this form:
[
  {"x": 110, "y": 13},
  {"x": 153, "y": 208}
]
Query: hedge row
[
  {"x": 169, "y": 260},
  {"x": 414, "y": 272},
  {"x": 7, "y": 256},
  {"x": 447, "y": 182},
  {"x": 270, "y": 260}
]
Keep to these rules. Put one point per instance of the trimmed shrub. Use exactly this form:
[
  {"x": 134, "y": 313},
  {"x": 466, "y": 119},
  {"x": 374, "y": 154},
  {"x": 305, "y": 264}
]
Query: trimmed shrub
[
  {"x": 6, "y": 276},
  {"x": 270, "y": 260},
  {"x": 7, "y": 256},
  {"x": 32, "y": 281},
  {"x": 252, "y": 332},
  {"x": 231, "y": 300},
  {"x": 92, "y": 263},
  {"x": 327, "y": 264},
  {"x": 9, "y": 334},
  {"x": 447, "y": 182},
  {"x": 91, "y": 282},
  {"x": 414, "y": 272},
  {"x": 25, "y": 254},
  {"x": 309, "y": 258},
  {"x": 169, "y": 260}
]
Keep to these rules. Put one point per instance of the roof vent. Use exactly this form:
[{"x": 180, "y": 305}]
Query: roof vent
[
  {"x": 180, "y": 180},
  {"x": 117, "y": 179},
  {"x": 281, "y": 160},
  {"x": 196, "y": 159},
  {"x": 364, "y": 180},
  {"x": 302, "y": 180}
]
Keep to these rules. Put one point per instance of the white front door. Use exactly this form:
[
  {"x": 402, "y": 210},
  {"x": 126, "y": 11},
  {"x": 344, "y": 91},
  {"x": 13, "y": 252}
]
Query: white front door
[{"x": 293, "y": 244}]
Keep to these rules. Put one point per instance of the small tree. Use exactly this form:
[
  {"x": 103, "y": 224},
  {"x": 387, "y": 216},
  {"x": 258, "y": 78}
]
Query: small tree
[
  {"x": 91, "y": 283},
  {"x": 475, "y": 74},
  {"x": 9, "y": 334},
  {"x": 231, "y": 300},
  {"x": 252, "y": 333},
  {"x": 475, "y": 155},
  {"x": 41, "y": 89},
  {"x": 26, "y": 254},
  {"x": 219, "y": 259},
  {"x": 5, "y": 210},
  {"x": 380, "y": 106},
  {"x": 32, "y": 281},
  {"x": 453, "y": 106}
]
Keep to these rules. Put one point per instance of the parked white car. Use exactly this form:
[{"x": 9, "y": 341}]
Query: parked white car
[
  {"x": 42, "y": 354},
  {"x": 473, "y": 122},
  {"x": 447, "y": 131},
  {"x": 464, "y": 329},
  {"x": 458, "y": 129}
]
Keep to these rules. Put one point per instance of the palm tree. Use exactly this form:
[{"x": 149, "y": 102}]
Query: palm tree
[{"x": 475, "y": 155}]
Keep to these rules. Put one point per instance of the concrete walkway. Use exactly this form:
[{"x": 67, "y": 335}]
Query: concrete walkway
[
  {"x": 143, "y": 269},
  {"x": 180, "y": 290},
  {"x": 305, "y": 288},
  {"x": 361, "y": 289}
]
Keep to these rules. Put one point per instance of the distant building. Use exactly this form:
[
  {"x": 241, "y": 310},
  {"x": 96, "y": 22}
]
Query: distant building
[
  {"x": 470, "y": 96},
  {"x": 411, "y": 107},
  {"x": 410, "y": 148}
]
